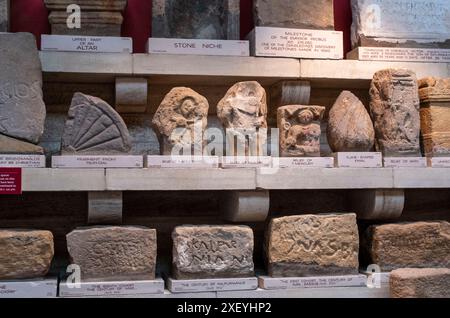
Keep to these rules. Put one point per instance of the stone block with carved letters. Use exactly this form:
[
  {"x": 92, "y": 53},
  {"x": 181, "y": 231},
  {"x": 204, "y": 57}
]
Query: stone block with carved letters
[
  {"x": 201, "y": 252},
  {"x": 312, "y": 245}
]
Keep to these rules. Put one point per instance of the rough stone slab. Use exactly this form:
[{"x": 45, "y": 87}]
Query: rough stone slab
[
  {"x": 113, "y": 253},
  {"x": 10, "y": 145},
  {"x": 212, "y": 285},
  {"x": 43, "y": 288},
  {"x": 25, "y": 254},
  {"x": 22, "y": 109},
  {"x": 270, "y": 283},
  {"x": 296, "y": 14},
  {"x": 112, "y": 289},
  {"x": 420, "y": 283},
  {"x": 201, "y": 252},
  {"x": 417, "y": 245},
  {"x": 199, "y": 19},
  {"x": 4, "y": 15},
  {"x": 312, "y": 245}
]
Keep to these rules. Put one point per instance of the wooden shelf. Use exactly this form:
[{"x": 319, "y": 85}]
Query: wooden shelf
[
  {"x": 53, "y": 180},
  {"x": 224, "y": 70}
]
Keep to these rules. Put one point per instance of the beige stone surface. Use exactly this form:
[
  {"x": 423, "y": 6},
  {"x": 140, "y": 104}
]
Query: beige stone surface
[
  {"x": 212, "y": 252},
  {"x": 25, "y": 254},
  {"x": 312, "y": 245},
  {"x": 297, "y": 14},
  {"x": 14, "y": 146},
  {"x": 180, "y": 121},
  {"x": 419, "y": 245},
  {"x": 300, "y": 130},
  {"x": 435, "y": 116},
  {"x": 394, "y": 108},
  {"x": 87, "y": 5},
  {"x": 113, "y": 253},
  {"x": 350, "y": 128},
  {"x": 420, "y": 283},
  {"x": 243, "y": 113}
]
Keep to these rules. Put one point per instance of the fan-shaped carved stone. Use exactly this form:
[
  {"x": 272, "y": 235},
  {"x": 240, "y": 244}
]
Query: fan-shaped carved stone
[{"x": 94, "y": 128}]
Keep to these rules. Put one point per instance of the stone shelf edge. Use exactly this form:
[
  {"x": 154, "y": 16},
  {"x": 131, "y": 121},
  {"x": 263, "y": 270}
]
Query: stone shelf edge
[
  {"x": 188, "y": 69},
  {"x": 64, "y": 180}
]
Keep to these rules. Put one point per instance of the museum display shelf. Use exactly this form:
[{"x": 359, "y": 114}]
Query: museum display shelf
[
  {"x": 224, "y": 70},
  {"x": 54, "y": 180}
]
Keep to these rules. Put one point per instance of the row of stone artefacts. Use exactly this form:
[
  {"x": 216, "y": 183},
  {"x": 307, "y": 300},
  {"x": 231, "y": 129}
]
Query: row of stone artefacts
[{"x": 296, "y": 246}]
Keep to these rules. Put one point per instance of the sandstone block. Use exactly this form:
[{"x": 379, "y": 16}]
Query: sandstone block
[{"x": 420, "y": 283}]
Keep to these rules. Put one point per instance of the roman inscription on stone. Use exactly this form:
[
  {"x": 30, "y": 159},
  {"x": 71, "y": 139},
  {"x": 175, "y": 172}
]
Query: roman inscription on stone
[
  {"x": 196, "y": 19},
  {"x": 420, "y": 283},
  {"x": 94, "y": 128},
  {"x": 312, "y": 245},
  {"x": 201, "y": 252},
  {"x": 435, "y": 116},
  {"x": 113, "y": 253},
  {"x": 415, "y": 245},
  {"x": 22, "y": 109},
  {"x": 25, "y": 254},
  {"x": 394, "y": 108},
  {"x": 295, "y": 14}
]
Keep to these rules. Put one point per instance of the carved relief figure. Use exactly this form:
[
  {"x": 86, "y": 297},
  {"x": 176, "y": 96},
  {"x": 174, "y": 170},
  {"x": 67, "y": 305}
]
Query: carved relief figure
[
  {"x": 243, "y": 113},
  {"x": 180, "y": 122},
  {"x": 300, "y": 130}
]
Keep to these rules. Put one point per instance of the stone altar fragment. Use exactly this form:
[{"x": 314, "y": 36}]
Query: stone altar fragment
[
  {"x": 350, "y": 128},
  {"x": 300, "y": 130},
  {"x": 435, "y": 116},
  {"x": 98, "y": 17},
  {"x": 4, "y": 15},
  {"x": 113, "y": 253},
  {"x": 201, "y": 252},
  {"x": 25, "y": 254},
  {"x": 22, "y": 109},
  {"x": 296, "y": 14},
  {"x": 401, "y": 23},
  {"x": 243, "y": 113},
  {"x": 196, "y": 19},
  {"x": 180, "y": 122},
  {"x": 420, "y": 283},
  {"x": 394, "y": 108},
  {"x": 416, "y": 245},
  {"x": 94, "y": 128},
  {"x": 312, "y": 245}
]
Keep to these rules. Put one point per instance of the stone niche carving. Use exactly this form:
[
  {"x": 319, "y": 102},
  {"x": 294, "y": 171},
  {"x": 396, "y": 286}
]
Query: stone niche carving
[
  {"x": 196, "y": 19},
  {"x": 350, "y": 128},
  {"x": 201, "y": 252},
  {"x": 243, "y": 113},
  {"x": 113, "y": 253},
  {"x": 297, "y": 14},
  {"x": 22, "y": 109},
  {"x": 4, "y": 15},
  {"x": 435, "y": 116},
  {"x": 387, "y": 23},
  {"x": 420, "y": 283},
  {"x": 300, "y": 130},
  {"x": 408, "y": 245},
  {"x": 98, "y": 17},
  {"x": 180, "y": 122},
  {"x": 94, "y": 128},
  {"x": 312, "y": 245},
  {"x": 25, "y": 254},
  {"x": 394, "y": 108}
]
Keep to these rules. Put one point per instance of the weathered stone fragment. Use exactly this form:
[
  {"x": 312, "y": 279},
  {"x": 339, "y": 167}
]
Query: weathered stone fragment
[
  {"x": 300, "y": 130},
  {"x": 4, "y": 15},
  {"x": 94, "y": 128},
  {"x": 196, "y": 19},
  {"x": 394, "y": 108},
  {"x": 435, "y": 116},
  {"x": 243, "y": 113},
  {"x": 113, "y": 253},
  {"x": 297, "y": 14},
  {"x": 212, "y": 252},
  {"x": 350, "y": 128},
  {"x": 420, "y": 283},
  {"x": 22, "y": 109},
  {"x": 417, "y": 245},
  {"x": 180, "y": 122},
  {"x": 11, "y": 146},
  {"x": 387, "y": 23},
  {"x": 312, "y": 245},
  {"x": 25, "y": 254}
]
